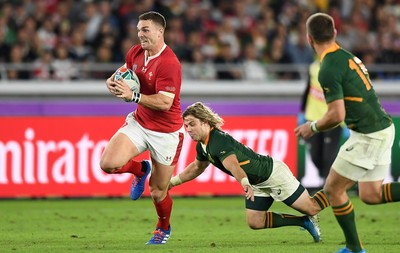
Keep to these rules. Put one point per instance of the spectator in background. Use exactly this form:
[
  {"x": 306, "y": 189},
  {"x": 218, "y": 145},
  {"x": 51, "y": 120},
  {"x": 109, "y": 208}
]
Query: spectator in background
[
  {"x": 42, "y": 67},
  {"x": 176, "y": 38},
  {"x": 27, "y": 40},
  {"x": 234, "y": 22},
  {"x": 4, "y": 46},
  {"x": 78, "y": 51},
  {"x": 300, "y": 51},
  {"x": 253, "y": 68},
  {"x": 209, "y": 47},
  {"x": 227, "y": 35},
  {"x": 46, "y": 35},
  {"x": 200, "y": 68},
  {"x": 64, "y": 67},
  {"x": 104, "y": 55},
  {"x": 18, "y": 70},
  {"x": 191, "y": 19},
  {"x": 227, "y": 64},
  {"x": 93, "y": 20},
  {"x": 277, "y": 54}
]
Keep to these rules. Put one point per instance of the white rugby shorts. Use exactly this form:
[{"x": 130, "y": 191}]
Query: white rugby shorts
[
  {"x": 280, "y": 185},
  {"x": 165, "y": 148},
  {"x": 366, "y": 157}
]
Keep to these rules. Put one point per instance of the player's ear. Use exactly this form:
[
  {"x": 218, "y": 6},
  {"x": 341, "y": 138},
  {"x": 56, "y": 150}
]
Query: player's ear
[{"x": 309, "y": 39}]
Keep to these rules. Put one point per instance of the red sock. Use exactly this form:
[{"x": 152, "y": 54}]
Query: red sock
[
  {"x": 132, "y": 167},
  {"x": 164, "y": 209}
]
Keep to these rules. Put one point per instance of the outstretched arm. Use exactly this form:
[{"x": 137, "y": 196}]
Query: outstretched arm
[{"x": 192, "y": 171}]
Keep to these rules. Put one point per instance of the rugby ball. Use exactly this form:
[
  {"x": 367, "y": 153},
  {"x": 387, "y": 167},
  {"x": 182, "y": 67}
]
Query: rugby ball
[{"x": 130, "y": 78}]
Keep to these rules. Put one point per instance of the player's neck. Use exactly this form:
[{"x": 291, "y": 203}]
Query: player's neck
[
  {"x": 206, "y": 136},
  {"x": 320, "y": 49},
  {"x": 155, "y": 50}
]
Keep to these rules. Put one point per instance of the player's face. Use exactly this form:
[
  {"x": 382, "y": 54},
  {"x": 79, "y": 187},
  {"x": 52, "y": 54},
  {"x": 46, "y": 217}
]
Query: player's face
[
  {"x": 197, "y": 130},
  {"x": 149, "y": 34}
]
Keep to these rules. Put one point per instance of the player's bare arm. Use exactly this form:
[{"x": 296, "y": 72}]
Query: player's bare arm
[
  {"x": 333, "y": 117},
  {"x": 159, "y": 101},
  {"x": 232, "y": 164},
  {"x": 192, "y": 171}
]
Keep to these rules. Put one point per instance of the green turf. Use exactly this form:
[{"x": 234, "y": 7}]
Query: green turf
[{"x": 199, "y": 225}]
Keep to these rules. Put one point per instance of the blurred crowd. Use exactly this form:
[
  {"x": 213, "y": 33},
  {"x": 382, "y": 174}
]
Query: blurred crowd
[{"x": 214, "y": 39}]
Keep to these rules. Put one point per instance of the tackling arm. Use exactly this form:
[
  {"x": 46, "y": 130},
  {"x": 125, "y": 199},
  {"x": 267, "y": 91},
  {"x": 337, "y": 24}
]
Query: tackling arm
[{"x": 192, "y": 171}]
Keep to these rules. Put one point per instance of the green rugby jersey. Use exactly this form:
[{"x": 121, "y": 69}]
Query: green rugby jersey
[
  {"x": 343, "y": 76},
  {"x": 220, "y": 145}
]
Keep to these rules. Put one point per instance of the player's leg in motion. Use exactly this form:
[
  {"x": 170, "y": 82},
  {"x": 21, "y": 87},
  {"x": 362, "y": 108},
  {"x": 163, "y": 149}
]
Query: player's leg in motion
[
  {"x": 321, "y": 199},
  {"x": 373, "y": 192},
  {"x": 117, "y": 159},
  {"x": 159, "y": 180},
  {"x": 259, "y": 218},
  {"x": 139, "y": 179},
  {"x": 336, "y": 188},
  {"x": 390, "y": 192}
]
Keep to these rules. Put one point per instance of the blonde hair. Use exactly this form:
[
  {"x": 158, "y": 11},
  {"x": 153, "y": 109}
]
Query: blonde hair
[{"x": 204, "y": 114}]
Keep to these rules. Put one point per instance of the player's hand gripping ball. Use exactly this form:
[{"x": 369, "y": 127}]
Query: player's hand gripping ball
[{"x": 130, "y": 78}]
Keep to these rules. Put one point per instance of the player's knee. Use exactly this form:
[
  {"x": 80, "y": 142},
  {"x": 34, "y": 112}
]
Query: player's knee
[
  {"x": 255, "y": 223},
  {"x": 313, "y": 210},
  {"x": 157, "y": 194},
  {"x": 331, "y": 192},
  {"x": 370, "y": 198},
  {"x": 106, "y": 167}
]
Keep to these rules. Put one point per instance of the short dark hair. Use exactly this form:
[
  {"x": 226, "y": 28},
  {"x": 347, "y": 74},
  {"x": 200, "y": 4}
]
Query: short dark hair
[
  {"x": 321, "y": 27},
  {"x": 155, "y": 17}
]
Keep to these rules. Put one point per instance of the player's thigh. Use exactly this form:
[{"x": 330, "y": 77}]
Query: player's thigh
[{"x": 118, "y": 151}]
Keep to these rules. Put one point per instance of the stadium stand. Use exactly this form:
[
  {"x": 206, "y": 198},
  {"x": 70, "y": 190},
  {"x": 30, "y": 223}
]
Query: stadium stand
[{"x": 88, "y": 39}]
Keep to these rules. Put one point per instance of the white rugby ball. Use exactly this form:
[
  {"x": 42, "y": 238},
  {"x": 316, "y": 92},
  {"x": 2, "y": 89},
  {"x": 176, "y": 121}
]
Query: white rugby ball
[{"x": 130, "y": 78}]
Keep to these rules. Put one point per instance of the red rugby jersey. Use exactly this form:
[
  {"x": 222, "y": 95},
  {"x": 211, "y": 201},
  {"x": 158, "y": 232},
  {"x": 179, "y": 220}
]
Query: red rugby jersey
[{"x": 163, "y": 72}]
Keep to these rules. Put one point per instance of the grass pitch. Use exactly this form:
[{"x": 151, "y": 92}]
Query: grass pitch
[{"x": 211, "y": 225}]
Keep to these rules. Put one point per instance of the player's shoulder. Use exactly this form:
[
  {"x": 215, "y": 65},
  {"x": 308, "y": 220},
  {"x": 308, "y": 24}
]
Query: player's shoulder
[
  {"x": 169, "y": 57},
  {"x": 340, "y": 56},
  {"x": 219, "y": 136},
  {"x": 135, "y": 49}
]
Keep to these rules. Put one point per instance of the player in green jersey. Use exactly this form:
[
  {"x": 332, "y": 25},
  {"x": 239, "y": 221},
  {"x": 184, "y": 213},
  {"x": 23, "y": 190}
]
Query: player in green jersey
[
  {"x": 366, "y": 155},
  {"x": 263, "y": 178}
]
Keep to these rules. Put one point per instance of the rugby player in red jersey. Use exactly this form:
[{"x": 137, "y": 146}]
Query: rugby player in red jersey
[{"x": 156, "y": 125}]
